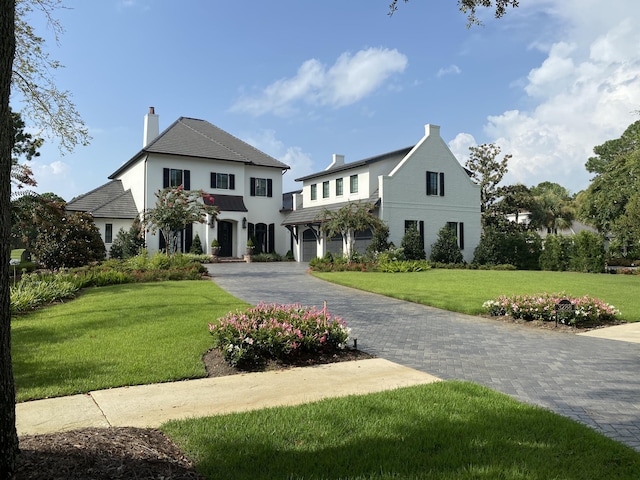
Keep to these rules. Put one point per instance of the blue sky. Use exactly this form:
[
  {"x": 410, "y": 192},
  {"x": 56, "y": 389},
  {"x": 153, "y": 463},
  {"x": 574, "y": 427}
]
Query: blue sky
[{"x": 303, "y": 79}]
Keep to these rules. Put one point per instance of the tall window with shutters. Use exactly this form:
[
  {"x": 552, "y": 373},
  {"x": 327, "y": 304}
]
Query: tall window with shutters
[
  {"x": 173, "y": 177},
  {"x": 261, "y": 187},
  {"x": 225, "y": 181},
  {"x": 435, "y": 183}
]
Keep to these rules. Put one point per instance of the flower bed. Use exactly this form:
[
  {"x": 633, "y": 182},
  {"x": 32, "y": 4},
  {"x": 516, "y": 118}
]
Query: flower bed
[
  {"x": 541, "y": 307},
  {"x": 276, "y": 331}
]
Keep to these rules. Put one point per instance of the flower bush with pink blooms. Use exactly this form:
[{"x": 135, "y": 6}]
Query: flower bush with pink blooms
[
  {"x": 541, "y": 307},
  {"x": 270, "y": 331}
]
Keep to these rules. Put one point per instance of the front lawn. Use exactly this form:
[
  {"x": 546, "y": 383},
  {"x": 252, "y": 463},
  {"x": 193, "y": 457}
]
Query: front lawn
[
  {"x": 119, "y": 335},
  {"x": 445, "y": 430},
  {"x": 466, "y": 290}
]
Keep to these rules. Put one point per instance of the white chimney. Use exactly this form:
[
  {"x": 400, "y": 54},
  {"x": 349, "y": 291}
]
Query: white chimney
[
  {"x": 338, "y": 161},
  {"x": 151, "y": 127},
  {"x": 431, "y": 130}
]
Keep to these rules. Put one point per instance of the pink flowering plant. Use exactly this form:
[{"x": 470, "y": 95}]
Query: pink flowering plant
[
  {"x": 542, "y": 307},
  {"x": 271, "y": 331}
]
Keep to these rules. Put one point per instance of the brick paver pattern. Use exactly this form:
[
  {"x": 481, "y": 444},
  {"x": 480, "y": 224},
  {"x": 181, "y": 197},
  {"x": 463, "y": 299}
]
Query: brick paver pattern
[{"x": 591, "y": 380}]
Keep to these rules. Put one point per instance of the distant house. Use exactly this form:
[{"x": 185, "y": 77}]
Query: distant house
[
  {"x": 246, "y": 185},
  {"x": 422, "y": 187}
]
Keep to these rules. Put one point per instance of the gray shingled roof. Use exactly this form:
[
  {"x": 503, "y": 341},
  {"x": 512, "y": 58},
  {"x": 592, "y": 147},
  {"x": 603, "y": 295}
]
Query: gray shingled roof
[
  {"x": 191, "y": 137},
  {"x": 399, "y": 154},
  {"x": 311, "y": 214},
  {"x": 107, "y": 201}
]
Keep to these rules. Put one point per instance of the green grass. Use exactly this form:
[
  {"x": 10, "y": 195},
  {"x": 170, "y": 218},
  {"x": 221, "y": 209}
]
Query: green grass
[
  {"x": 446, "y": 430},
  {"x": 466, "y": 290},
  {"x": 113, "y": 336}
]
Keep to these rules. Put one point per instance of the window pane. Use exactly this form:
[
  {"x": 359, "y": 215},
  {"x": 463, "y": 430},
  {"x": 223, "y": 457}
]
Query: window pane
[
  {"x": 432, "y": 183},
  {"x": 314, "y": 191},
  {"x": 354, "y": 183},
  {"x": 175, "y": 177},
  {"x": 325, "y": 189},
  {"x": 222, "y": 180},
  {"x": 261, "y": 187},
  {"x": 338, "y": 186},
  {"x": 108, "y": 233}
]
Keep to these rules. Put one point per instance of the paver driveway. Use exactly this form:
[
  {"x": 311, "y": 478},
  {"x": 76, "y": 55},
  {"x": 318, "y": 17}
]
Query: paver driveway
[{"x": 592, "y": 380}]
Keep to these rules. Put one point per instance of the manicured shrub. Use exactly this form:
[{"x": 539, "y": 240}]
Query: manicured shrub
[
  {"x": 35, "y": 290},
  {"x": 276, "y": 331},
  {"x": 412, "y": 245},
  {"x": 196, "y": 246},
  {"x": 507, "y": 244},
  {"x": 445, "y": 249},
  {"x": 379, "y": 241},
  {"x": 402, "y": 266}
]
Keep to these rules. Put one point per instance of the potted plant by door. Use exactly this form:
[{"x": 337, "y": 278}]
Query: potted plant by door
[
  {"x": 251, "y": 246},
  {"x": 215, "y": 247}
]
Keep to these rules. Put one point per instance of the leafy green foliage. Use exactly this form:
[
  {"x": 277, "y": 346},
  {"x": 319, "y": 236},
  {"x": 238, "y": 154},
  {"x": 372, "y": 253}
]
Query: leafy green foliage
[
  {"x": 349, "y": 219},
  {"x": 73, "y": 242},
  {"x": 269, "y": 331},
  {"x": 34, "y": 291},
  {"x": 556, "y": 253},
  {"x": 380, "y": 240},
  {"x": 551, "y": 207},
  {"x": 588, "y": 253},
  {"x": 402, "y": 266},
  {"x": 175, "y": 208},
  {"x": 127, "y": 244},
  {"x": 611, "y": 203},
  {"x": 446, "y": 249},
  {"x": 508, "y": 243},
  {"x": 487, "y": 171},
  {"x": 412, "y": 245}
]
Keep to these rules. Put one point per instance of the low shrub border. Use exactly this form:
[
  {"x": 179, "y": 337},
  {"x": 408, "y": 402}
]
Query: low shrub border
[
  {"x": 269, "y": 331},
  {"x": 541, "y": 307}
]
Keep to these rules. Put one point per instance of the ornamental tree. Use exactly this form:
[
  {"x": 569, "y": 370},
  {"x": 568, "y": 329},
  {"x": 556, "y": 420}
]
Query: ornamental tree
[
  {"x": 175, "y": 209},
  {"x": 349, "y": 219}
]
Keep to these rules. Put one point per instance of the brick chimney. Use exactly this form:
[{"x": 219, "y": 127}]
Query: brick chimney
[{"x": 151, "y": 127}]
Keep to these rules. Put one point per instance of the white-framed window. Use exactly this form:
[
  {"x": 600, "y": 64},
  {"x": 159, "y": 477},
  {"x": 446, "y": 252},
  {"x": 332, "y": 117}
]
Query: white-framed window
[
  {"x": 339, "y": 182},
  {"x": 261, "y": 187},
  {"x": 108, "y": 233},
  {"x": 225, "y": 181},
  {"x": 314, "y": 192}
]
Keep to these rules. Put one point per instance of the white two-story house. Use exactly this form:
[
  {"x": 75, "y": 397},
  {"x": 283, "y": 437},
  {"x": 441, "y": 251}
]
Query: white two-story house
[
  {"x": 246, "y": 185},
  {"x": 422, "y": 187}
]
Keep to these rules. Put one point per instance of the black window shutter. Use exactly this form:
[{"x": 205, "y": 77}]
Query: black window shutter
[
  {"x": 442, "y": 184},
  {"x": 421, "y": 226},
  {"x": 165, "y": 178},
  {"x": 188, "y": 237},
  {"x": 252, "y": 186},
  {"x": 232, "y": 181},
  {"x": 250, "y": 230},
  {"x": 186, "y": 178},
  {"x": 214, "y": 178},
  {"x": 461, "y": 235},
  {"x": 428, "y": 186},
  {"x": 269, "y": 187},
  {"x": 272, "y": 238}
]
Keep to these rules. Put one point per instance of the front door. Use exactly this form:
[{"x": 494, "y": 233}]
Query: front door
[{"x": 225, "y": 237}]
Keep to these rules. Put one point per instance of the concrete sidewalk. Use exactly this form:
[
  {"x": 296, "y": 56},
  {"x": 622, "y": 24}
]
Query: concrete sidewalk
[
  {"x": 152, "y": 405},
  {"x": 629, "y": 332}
]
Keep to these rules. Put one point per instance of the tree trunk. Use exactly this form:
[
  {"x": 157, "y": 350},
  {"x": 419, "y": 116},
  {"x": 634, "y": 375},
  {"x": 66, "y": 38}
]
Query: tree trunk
[{"x": 8, "y": 435}]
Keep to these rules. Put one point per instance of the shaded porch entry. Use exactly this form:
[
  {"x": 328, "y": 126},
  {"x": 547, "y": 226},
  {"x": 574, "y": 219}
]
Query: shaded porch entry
[{"x": 225, "y": 237}]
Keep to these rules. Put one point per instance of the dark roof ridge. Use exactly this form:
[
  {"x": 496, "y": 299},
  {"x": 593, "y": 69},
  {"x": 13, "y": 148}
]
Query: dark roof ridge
[{"x": 104, "y": 185}]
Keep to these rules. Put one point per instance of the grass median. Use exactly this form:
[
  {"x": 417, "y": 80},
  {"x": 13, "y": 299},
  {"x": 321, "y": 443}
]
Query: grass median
[{"x": 466, "y": 290}]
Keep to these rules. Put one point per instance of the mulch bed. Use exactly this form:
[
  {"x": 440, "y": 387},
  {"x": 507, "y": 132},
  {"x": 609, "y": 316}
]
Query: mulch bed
[{"x": 120, "y": 453}]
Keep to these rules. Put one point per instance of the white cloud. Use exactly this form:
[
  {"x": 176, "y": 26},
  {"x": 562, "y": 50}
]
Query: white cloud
[
  {"x": 450, "y": 70},
  {"x": 348, "y": 80},
  {"x": 52, "y": 177},
  {"x": 585, "y": 93},
  {"x": 300, "y": 162},
  {"x": 459, "y": 146}
]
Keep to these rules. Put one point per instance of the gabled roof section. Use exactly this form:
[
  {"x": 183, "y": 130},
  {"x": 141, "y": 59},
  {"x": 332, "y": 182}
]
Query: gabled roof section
[
  {"x": 107, "y": 201},
  {"x": 397, "y": 154},
  {"x": 191, "y": 137}
]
